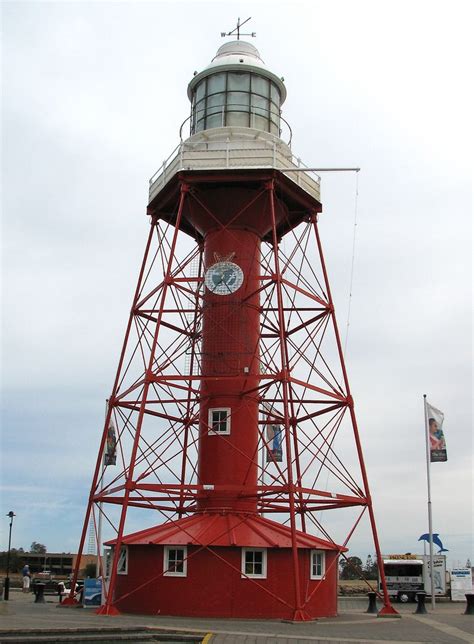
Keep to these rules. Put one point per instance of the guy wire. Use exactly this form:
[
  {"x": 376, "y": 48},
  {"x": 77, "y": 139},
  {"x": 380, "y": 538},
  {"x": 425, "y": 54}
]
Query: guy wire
[{"x": 351, "y": 281}]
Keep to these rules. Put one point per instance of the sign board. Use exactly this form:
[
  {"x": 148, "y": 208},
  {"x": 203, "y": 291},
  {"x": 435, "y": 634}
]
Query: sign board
[
  {"x": 408, "y": 556},
  {"x": 461, "y": 583},
  {"x": 92, "y": 592},
  {"x": 439, "y": 574}
]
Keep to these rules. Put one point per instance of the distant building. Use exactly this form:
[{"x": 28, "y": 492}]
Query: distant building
[{"x": 58, "y": 563}]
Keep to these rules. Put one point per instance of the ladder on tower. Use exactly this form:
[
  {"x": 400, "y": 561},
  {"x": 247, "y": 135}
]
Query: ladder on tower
[{"x": 193, "y": 272}]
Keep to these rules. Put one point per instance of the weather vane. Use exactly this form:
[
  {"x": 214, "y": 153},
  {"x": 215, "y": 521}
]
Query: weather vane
[{"x": 237, "y": 29}]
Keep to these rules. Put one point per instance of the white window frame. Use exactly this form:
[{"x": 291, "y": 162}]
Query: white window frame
[
  {"x": 166, "y": 563},
  {"x": 123, "y": 559},
  {"x": 109, "y": 554},
  {"x": 322, "y": 554},
  {"x": 210, "y": 423},
  {"x": 245, "y": 575}
]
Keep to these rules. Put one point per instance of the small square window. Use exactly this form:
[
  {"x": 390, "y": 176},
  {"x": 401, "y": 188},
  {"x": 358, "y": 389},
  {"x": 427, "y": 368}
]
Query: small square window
[
  {"x": 175, "y": 561},
  {"x": 317, "y": 564},
  {"x": 254, "y": 563},
  {"x": 219, "y": 420}
]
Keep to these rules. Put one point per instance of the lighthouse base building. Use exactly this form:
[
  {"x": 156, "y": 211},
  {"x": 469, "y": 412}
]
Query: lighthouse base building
[{"x": 226, "y": 565}]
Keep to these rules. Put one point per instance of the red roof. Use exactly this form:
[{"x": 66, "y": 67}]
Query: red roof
[{"x": 212, "y": 529}]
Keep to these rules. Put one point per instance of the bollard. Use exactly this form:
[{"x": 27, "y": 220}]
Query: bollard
[
  {"x": 372, "y": 603},
  {"x": 470, "y": 604},
  {"x": 421, "y": 608},
  {"x": 6, "y": 589},
  {"x": 39, "y": 599}
]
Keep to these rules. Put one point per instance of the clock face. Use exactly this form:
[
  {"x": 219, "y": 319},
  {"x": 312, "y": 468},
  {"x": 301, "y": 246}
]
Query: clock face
[{"x": 224, "y": 278}]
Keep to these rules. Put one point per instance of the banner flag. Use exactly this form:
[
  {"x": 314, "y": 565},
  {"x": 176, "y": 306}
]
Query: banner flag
[
  {"x": 110, "y": 454},
  {"x": 274, "y": 438},
  {"x": 274, "y": 435},
  {"x": 438, "y": 452}
]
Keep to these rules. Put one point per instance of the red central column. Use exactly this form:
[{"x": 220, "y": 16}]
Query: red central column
[{"x": 228, "y": 439}]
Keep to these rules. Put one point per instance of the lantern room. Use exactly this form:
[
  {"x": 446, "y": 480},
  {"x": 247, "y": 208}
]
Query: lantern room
[{"x": 236, "y": 89}]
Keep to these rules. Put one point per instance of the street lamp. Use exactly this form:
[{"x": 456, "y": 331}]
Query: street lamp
[{"x": 6, "y": 591}]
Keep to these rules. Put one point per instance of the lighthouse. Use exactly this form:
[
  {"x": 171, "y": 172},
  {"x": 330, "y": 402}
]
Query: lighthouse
[{"x": 231, "y": 415}]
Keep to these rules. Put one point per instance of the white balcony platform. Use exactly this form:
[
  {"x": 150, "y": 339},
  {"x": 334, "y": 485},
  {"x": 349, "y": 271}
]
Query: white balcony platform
[{"x": 234, "y": 148}]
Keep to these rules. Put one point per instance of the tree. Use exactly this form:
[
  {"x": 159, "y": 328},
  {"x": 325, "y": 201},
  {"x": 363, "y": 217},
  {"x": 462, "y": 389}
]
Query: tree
[
  {"x": 351, "y": 568},
  {"x": 90, "y": 570},
  {"x": 16, "y": 560},
  {"x": 38, "y": 548},
  {"x": 370, "y": 568}
]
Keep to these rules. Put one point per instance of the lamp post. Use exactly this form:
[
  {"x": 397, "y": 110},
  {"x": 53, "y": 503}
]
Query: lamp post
[{"x": 6, "y": 592}]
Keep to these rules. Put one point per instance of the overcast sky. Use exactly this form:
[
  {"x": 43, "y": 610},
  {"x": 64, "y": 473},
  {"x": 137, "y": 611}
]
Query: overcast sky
[{"x": 94, "y": 96}]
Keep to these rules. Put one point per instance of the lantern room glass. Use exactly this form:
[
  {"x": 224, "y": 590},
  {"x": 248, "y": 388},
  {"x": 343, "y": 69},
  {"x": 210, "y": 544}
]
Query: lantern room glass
[{"x": 236, "y": 98}]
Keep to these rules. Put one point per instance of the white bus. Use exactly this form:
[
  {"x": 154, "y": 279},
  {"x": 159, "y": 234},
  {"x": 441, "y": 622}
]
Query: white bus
[{"x": 409, "y": 574}]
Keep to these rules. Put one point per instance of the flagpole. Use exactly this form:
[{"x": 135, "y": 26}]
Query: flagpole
[
  {"x": 430, "y": 519},
  {"x": 98, "y": 567}
]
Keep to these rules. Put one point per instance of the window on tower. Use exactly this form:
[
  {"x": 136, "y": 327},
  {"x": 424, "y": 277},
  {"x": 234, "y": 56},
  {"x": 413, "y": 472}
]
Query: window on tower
[
  {"x": 175, "y": 561},
  {"x": 219, "y": 420},
  {"x": 254, "y": 562}
]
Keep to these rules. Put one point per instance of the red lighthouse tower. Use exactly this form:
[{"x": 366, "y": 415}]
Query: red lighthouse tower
[{"x": 231, "y": 402}]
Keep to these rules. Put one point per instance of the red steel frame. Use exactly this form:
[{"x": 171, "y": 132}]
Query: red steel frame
[{"x": 303, "y": 386}]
